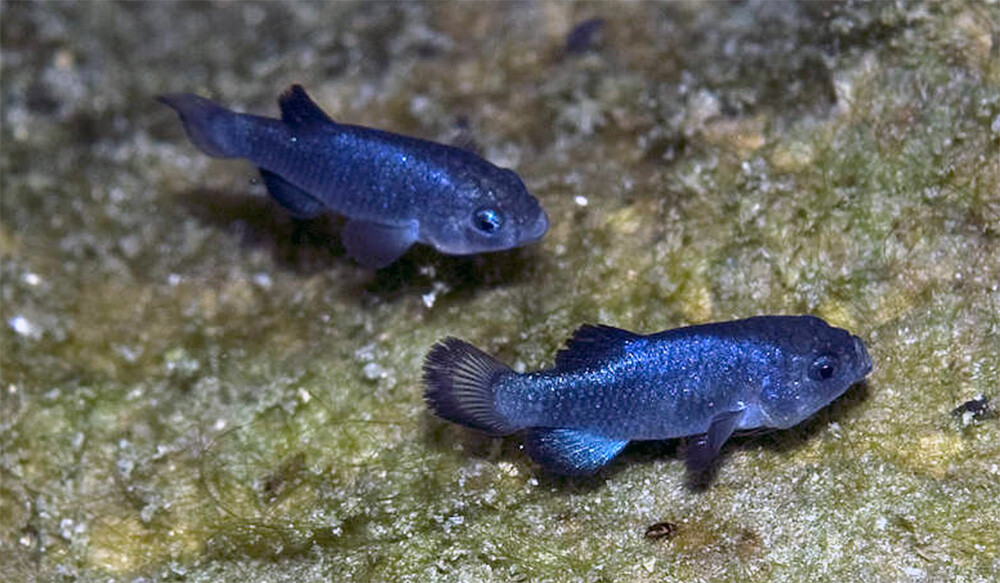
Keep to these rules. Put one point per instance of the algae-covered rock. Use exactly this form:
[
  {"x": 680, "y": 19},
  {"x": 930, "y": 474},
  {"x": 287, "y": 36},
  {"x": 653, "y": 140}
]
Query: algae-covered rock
[{"x": 196, "y": 387}]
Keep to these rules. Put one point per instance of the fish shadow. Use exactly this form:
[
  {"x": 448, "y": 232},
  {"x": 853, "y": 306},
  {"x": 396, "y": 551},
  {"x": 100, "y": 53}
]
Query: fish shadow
[
  {"x": 310, "y": 246},
  {"x": 463, "y": 277},
  {"x": 443, "y": 436},
  {"x": 301, "y": 246},
  {"x": 452, "y": 439}
]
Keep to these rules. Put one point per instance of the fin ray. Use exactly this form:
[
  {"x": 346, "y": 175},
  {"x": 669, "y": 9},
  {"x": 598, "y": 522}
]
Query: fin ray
[
  {"x": 700, "y": 452},
  {"x": 209, "y": 126},
  {"x": 377, "y": 244},
  {"x": 571, "y": 452},
  {"x": 298, "y": 110},
  {"x": 292, "y": 198},
  {"x": 593, "y": 342},
  {"x": 461, "y": 382}
]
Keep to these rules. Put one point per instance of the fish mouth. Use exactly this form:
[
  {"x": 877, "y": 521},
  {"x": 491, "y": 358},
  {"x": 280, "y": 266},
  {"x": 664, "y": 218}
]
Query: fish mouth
[
  {"x": 537, "y": 229},
  {"x": 863, "y": 358}
]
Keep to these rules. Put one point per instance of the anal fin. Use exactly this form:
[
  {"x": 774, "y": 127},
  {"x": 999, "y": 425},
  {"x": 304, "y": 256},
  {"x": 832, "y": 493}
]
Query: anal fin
[
  {"x": 377, "y": 244},
  {"x": 298, "y": 202},
  {"x": 571, "y": 452}
]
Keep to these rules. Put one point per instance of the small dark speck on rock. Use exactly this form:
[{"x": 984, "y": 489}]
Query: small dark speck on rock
[
  {"x": 585, "y": 36},
  {"x": 41, "y": 100},
  {"x": 977, "y": 409},
  {"x": 661, "y": 530}
]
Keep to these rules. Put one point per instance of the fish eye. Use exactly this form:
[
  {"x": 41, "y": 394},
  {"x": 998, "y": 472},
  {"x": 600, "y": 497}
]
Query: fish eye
[
  {"x": 823, "y": 368},
  {"x": 487, "y": 220}
]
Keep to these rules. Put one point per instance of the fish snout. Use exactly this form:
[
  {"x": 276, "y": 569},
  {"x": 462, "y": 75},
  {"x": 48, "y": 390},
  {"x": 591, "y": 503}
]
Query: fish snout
[
  {"x": 864, "y": 360},
  {"x": 538, "y": 228}
]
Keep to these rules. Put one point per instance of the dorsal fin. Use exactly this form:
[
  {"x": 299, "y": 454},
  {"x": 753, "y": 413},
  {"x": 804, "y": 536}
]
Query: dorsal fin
[
  {"x": 593, "y": 342},
  {"x": 299, "y": 110}
]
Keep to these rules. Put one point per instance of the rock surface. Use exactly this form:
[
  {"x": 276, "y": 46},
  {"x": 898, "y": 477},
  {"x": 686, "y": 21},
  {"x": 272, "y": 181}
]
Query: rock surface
[{"x": 195, "y": 387}]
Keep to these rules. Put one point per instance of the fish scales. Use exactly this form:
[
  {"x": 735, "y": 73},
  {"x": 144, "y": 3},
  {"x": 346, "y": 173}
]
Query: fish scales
[
  {"x": 367, "y": 180},
  {"x": 395, "y": 190},
  {"x": 657, "y": 390},
  {"x": 611, "y": 386}
]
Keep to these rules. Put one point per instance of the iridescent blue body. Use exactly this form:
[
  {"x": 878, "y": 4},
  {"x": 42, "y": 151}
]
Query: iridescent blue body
[
  {"x": 396, "y": 190},
  {"x": 610, "y": 386}
]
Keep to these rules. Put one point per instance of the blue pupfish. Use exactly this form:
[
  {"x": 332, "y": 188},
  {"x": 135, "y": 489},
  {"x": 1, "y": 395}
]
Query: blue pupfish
[
  {"x": 395, "y": 190},
  {"x": 610, "y": 386}
]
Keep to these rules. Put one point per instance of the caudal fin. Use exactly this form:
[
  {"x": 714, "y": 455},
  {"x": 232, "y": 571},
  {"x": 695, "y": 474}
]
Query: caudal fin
[
  {"x": 210, "y": 126},
  {"x": 461, "y": 381}
]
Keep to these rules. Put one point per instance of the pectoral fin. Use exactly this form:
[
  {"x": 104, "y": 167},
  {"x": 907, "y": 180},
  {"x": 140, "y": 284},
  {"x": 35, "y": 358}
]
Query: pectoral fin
[
  {"x": 571, "y": 452},
  {"x": 376, "y": 244},
  {"x": 295, "y": 200},
  {"x": 702, "y": 450}
]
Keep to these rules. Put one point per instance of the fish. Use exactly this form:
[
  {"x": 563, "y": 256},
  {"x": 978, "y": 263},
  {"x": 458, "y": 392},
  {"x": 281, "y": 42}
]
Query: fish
[
  {"x": 395, "y": 190},
  {"x": 610, "y": 386}
]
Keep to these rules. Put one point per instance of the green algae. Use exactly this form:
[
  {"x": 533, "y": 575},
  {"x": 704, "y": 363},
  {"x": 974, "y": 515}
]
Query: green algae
[{"x": 195, "y": 387}]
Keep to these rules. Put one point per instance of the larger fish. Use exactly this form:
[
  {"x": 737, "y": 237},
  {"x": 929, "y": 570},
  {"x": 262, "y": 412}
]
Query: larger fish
[
  {"x": 610, "y": 386},
  {"x": 395, "y": 190}
]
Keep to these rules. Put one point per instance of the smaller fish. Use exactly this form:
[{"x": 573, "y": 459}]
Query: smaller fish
[
  {"x": 610, "y": 386},
  {"x": 395, "y": 190}
]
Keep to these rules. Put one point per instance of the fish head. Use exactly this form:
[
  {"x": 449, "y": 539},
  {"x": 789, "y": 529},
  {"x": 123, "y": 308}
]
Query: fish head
[
  {"x": 492, "y": 211},
  {"x": 816, "y": 363}
]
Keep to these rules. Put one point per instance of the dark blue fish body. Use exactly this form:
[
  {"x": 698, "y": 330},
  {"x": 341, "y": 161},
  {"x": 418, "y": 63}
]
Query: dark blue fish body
[
  {"x": 610, "y": 386},
  {"x": 394, "y": 189}
]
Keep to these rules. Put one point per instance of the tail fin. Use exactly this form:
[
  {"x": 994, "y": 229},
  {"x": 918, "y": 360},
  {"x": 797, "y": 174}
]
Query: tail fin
[
  {"x": 210, "y": 126},
  {"x": 461, "y": 383}
]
